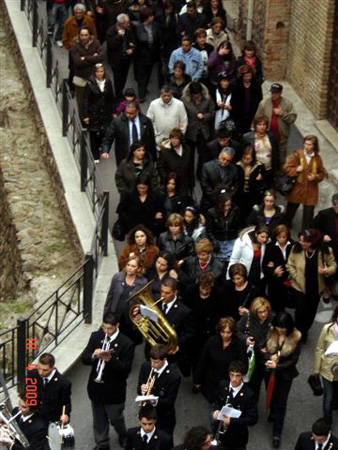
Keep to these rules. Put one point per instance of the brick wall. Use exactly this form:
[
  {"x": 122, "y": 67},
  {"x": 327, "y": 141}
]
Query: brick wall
[{"x": 310, "y": 42}]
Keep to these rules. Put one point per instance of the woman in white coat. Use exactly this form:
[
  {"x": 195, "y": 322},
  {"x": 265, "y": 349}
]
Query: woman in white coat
[{"x": 249, "y": 250}]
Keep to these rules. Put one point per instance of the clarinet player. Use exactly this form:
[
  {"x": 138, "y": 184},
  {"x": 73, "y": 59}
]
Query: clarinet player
[{"x": 110, "y": 354}]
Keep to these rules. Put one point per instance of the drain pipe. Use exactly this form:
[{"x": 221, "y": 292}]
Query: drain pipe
[{"x": 249, "y": 20}]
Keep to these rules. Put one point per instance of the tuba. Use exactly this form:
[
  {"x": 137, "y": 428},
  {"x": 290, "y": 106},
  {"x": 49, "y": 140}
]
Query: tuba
[
  {"x": 155, "y": 332},
  {"x": 9, "y": 427}
]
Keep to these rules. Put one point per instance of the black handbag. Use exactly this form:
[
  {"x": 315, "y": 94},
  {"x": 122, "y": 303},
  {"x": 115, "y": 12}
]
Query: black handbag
[
  {"x": 285, "y": 184},
  {"x": 315, "y": 385},
  {"x": 118, "y": 230}
]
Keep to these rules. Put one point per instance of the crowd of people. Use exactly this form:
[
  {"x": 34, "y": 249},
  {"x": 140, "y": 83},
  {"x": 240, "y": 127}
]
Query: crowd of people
[{"x": 223, "y": 268}]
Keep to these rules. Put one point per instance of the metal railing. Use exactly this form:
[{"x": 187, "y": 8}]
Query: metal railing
[{"x": 71, "y": 303}]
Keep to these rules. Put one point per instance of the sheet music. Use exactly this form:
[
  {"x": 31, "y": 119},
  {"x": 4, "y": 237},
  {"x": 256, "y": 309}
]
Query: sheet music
[
  {"x": 230, "y": 412},
  {"x": 146, "y": 398},
  {"x": 148, "y": 312}
]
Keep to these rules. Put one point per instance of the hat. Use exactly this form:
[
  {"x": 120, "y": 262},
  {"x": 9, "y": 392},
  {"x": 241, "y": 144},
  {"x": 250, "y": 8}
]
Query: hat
[
  {"x": 276, "y": 87},
  {"x": 195, "y": 88},
  {"x": 223, "y": 76}
]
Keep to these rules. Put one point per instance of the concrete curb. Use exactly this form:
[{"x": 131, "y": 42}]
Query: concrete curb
[{"x": 70, "y": 350}]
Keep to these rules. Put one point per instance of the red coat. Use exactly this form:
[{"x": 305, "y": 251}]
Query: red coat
[{"x": 304, "y": 192}]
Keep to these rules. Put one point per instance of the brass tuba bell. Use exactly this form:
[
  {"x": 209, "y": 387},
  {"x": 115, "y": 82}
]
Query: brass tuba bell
[{"x": 160, "y": 332}]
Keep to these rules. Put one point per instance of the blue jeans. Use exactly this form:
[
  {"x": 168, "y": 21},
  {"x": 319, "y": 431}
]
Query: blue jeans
[
  {"x": 225, "y": 250},
  {"x": 327, "y": 399},
  {"x": 58, "y": 14}
]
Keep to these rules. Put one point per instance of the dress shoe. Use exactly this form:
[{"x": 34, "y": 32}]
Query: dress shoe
[{"x": 275, "y": 442}]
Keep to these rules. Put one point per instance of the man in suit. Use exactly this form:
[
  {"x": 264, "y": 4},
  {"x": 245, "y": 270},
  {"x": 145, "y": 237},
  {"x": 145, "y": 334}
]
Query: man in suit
[
  {"x": 54, "y": 390},
  {"x": 127, "y": 128},
  {"x": 165, "y": 387},
  {"x": 110, "y": 354},
  {"x": 320, "y": 438},
  {"x": 240, "y": 397},
  {"x": 31, "y": 424},
  {"x": 147, "y": 436}
]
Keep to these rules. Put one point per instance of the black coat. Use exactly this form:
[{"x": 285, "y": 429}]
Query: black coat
[
  {"x": 237, "y": 434},
  {"x": 166, "y": 388},
  {"x": 35, "y": 429},
  {"x": 98, "y": 105},
  {"x": 170, "y": 162},
  {"x": 116, "y": 371},
  {"x": 215, "y": 149},
  {"x": 256, "y": 188},
  {"x": 234, "y": 299},
  {"x": 84, "y": 67},
  {"x": 241, "y": 115},
  {"x": 274, "y": 254},
  {"x": 133, "y": 212},
  {"x": 220, "y": 227},
  {"x": 115, "y": 45},
  {"x": 191, "y": 270},
  {"x": 178, "y": 90},
  {"x": 213, "y": 364},
  {"x": 53, "y": 396},
  {"x": 169, "y": 31},
  {"x": 249, "y": 138},
  {"x": 126, "y": 175},
  {"x": 144, "y": 53},
  {"x": 325, "y": 222},
  {"x": 256, "y": 217},
  {"x": 213, "y": 176},
  {"x": 182, "y": 248},
  {"x": 159, "y": 441},
  {"x": 306, "y": 442},
  {"x": 189, "y": 24},
  {"x": 118, "y": 131},
  {"x": 180, "y": 318},
  {"x": 258, "y": 68}
]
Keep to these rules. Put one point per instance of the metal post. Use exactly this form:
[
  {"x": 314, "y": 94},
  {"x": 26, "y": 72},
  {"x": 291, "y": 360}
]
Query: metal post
[
  {"x": 88, "y": 288},
  {"x": 65, "y": 108},
  {"x": 83, "y": 160},
  {"x": 35, "y": 23},
  {"x": 21, "y": 351},
  {"x": 104, "y": 225},
  {"x": 49, "y": 61},
  {"x": 22, "y": 5},
  {"x": 249, "y": 20}
]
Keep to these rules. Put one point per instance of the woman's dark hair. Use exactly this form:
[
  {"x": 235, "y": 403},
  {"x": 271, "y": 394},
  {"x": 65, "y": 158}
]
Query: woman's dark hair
[
  {"x": 314, "y": 140},
  {"x": 249, "y": 45},
  {"x": 180, "y": 64},
  {"x": 143, "y": 179},
  {"x": 315, "y": 237},
  {"x": 238, "y": 269},
  {"x": 217, "y": 19},
  {"x": 259, "y": 229},
  {"x": 195, "y": 438},
  {"x": 250, "y": 150},
  {"x": 148, "y": 233},
  {"x": 206, "y": 280},
  {"x": 222, "y": 199},
  {"x": 177, "y": 133},
  {"x": 169, "y": 257},
  {"x": 225, "y": 44},
  {"x": 173, "y": 176},
  {"x": 226, "y": 322},
  {"x": 284, "y": 320},
  {"x": 86, "y": 29},
  {"x": 136, "y": 145}
]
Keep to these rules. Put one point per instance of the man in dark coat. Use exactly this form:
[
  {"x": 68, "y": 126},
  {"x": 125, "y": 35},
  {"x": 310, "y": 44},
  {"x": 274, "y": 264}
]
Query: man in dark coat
[
  {"x": 127, "y": 128},
  {"x": 147, "y": 435},
  {"x": 32, "y": 425},
  {"x": 190, "y": 21},
  {"x": 120, "y": 51},
  {"x": 241, "y": 398},
  {"x": 223, "y": 139},
  {"x": 53, "y": 389},
  {"x": 110, "y": 354},
  {"x": 320, "y": 438},
  {"x": 216, "y": 173},
  {"x": 165, "y": 387}
]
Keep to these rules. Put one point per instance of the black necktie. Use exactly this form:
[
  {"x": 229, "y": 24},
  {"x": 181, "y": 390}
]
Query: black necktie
[
  {"x": 45, "y": 381},
  {"x": 231, "y": 392},
  {"x": 164, "y": 308},
  {"x": 134, "y": 131},
  {"x": 145, "y": 440},
  {"x": 320, "y": 446}
]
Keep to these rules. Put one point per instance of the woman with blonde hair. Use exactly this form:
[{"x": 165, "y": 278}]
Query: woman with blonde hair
[
  {"x": 124, "y": 284},
  {"x": 254, "y": 327},
  {"x": 175, "y": 241},
  {"x": 307, "y": 166}
]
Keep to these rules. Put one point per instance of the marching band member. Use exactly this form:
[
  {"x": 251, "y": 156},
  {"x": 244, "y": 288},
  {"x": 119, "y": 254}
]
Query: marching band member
[
  {"x": 110, "y": 354},
  {"x": 166, "y": 385},
  {"x": 233, "y": 432},
  {"x": 53, "y": 389},
  {"x": 147, "y": 435},
  {"x": 320, "y": 438}
]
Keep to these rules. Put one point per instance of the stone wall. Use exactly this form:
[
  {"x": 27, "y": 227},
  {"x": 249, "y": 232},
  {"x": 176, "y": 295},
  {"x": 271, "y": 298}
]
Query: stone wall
[{"x": 310, "y": 43}]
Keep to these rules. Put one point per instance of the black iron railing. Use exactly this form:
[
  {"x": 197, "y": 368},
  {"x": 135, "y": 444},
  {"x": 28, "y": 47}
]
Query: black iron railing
[{"x": 71, "y": 303}]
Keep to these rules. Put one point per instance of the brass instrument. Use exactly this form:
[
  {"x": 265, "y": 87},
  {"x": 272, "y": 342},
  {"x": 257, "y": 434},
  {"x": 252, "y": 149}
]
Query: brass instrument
[
  {"x": 101, "y": 364},
  {"x": 9, "y": 428},
  {"x": 221, "y": 429},
  {"x": 160, "y": 332},
  {"x": 150, "y": 382}
]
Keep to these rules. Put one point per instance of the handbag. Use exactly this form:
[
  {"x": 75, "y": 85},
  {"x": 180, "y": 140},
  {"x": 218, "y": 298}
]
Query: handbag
[
  {"x": 285, "y": 184},
  {"x": 118, "y": 230},
  {"x": 315, "y": 385}
]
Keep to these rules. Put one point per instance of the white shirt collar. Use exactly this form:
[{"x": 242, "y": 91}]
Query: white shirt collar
[
  {"x": 324, "y": 443},
  {"x": 169, "y": 305},
  {"x": 236, "y": 389},
  {"x": 50, "y": 376},
  {"x": 159, "y": 372},
  {"x": 114, "y": 336},
  {"x": 150, "y": 435},
  {"x": 25, "y": 418}
]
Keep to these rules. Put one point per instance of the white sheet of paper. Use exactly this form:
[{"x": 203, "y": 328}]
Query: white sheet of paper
[
  {"x": 333, "y": 349},
  {"x": 230, "y": 412},
  {"x": 150, "y": 313},
  {"x": 146, "y": 398}
]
